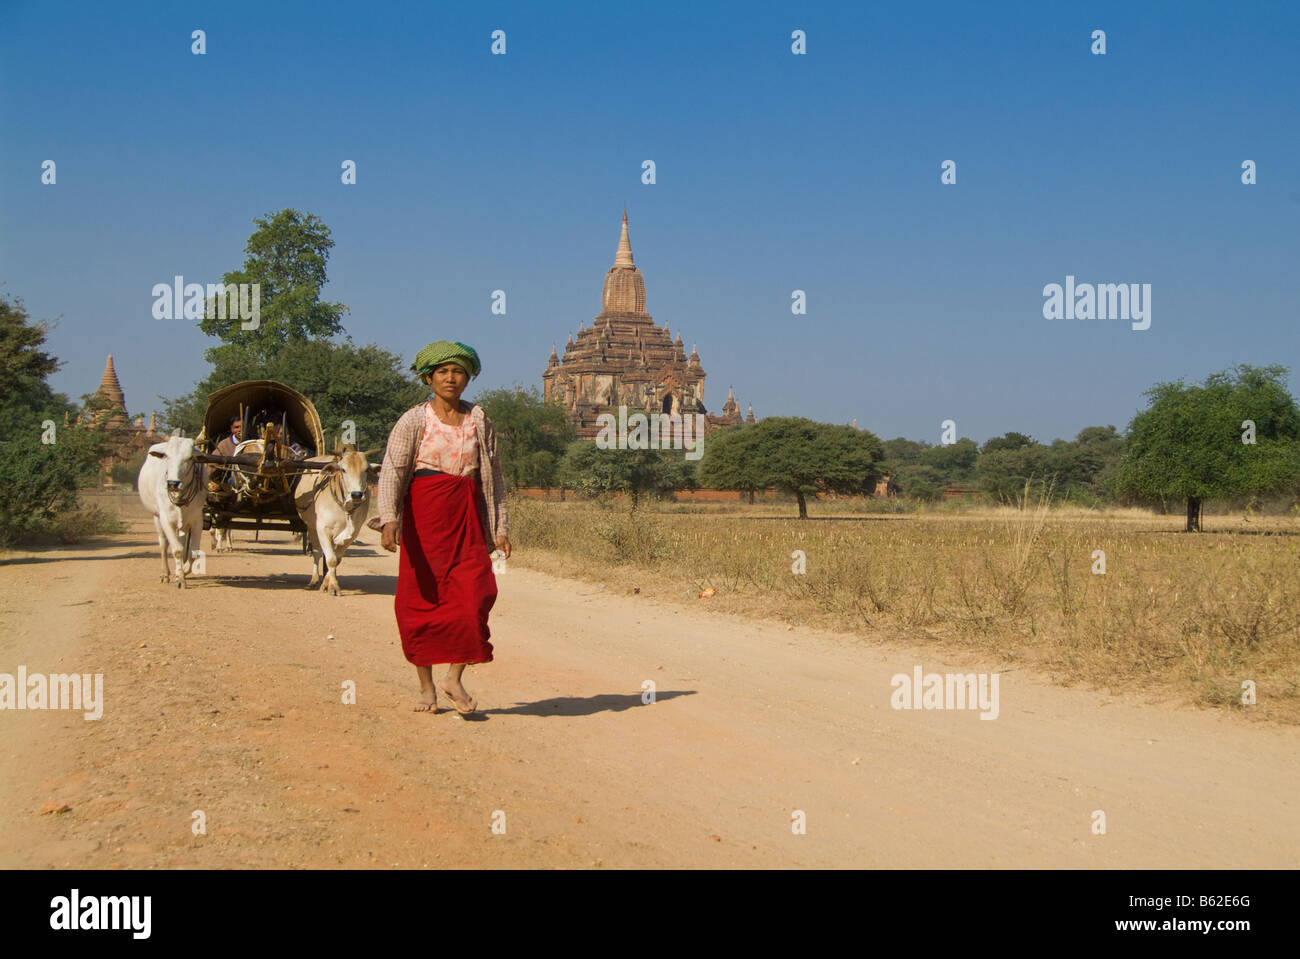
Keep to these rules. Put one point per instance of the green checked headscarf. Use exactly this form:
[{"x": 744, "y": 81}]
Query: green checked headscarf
[{"x": 446, "y": 351}]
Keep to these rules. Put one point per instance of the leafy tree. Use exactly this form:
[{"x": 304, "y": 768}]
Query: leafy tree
[
  {"x": 919, "y": 481},
  {"x": 286, "y": 257},
  {"x": 1099, "y": 436},
  {"x": 21, "y": 359},
  {"x": 594, "y": 471},
  {"x": 955, "y": 462},
  {"x": 924, "y": 471},
  {"x": 1011, "y": 441},
  {"x": 732, "y": 457},
  {"x": 683, "y": 474},
  {"x": 128, "y": 473},
  {"x": 1007, "y": 463},
  {"x": 1073, "y": 469},
  {"x": 1086, "y": 467},
  {"x": 532, "y": 435},
  {"x": 367, "y": 385},
  {"x": 901, "y": 450},
  {"x": 1192, "y": 442},
  {"x": 1082, "y": 469},
  {"x": 794, "y": 454},
  {"x": 901, "y": 463},
  {"x": 39, "y": 479}
]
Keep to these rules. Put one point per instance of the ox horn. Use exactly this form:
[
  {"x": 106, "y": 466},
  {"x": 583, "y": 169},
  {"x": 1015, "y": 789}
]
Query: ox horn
[{"x": 371, "y": 452}]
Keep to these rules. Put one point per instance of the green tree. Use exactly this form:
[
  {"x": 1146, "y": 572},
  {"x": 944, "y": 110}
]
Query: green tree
[
  {"x": 286, "y": 257},
  {"x": 367, "y": 385},
  {"x": 532, "y": 435},
  {"x": 1100, "y": 436},
  {"x": 1011, "y": 441},
  {"x": 919, "y": 481},
  {"x": 40, "y": 478},
  {"x": 901, "y": 450},
  {"x": 21, "y": 359},
  {"x": 1192, "y": 442},
  {"x": 593, "y": 471},
  {"x": 923, "y": 471},
  {"x": 1085, "y": 468},
  {"x": 732, "y": 457},
  {"x": 955, "y": 462},
  {"x": 1007, "y": 463},
  {"x": 793, "y": 454}
]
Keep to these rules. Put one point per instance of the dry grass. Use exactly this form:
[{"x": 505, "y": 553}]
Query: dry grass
[{"x": 1188, "y": 616}]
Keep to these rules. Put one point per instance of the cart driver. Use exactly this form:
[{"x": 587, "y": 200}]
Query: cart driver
[{"x": 227, "y": 448}]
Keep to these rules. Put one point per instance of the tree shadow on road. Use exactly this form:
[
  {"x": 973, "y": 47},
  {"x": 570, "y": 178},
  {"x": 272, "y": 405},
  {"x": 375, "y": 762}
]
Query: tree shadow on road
[
  {"x": 585, "y": 705},
  {"x": 29, "y": 560},
  {"x": 264, "y": 581},
  {"x": 364, "y": 584}
]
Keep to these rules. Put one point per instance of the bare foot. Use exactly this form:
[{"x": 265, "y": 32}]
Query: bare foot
[
  {"x": 458, "y": 695},
  {"x": 428, "y": 701}
]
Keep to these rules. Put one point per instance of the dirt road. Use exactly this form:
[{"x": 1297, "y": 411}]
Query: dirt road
[{"x": 227, "y": 699}]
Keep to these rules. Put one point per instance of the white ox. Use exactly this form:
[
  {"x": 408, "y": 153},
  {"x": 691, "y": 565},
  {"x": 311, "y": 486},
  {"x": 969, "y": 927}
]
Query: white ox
[
  {"x": 171, "y": 487},
  {"x": 333, "y": 502},
  {"x": 222, "y": 541}
]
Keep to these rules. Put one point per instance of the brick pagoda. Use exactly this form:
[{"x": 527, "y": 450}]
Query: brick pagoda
[{"x": 623, "y": 358}]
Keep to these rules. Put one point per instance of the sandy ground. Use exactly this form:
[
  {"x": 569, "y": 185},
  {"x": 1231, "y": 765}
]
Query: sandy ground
[{"x": 228, "y": 698}]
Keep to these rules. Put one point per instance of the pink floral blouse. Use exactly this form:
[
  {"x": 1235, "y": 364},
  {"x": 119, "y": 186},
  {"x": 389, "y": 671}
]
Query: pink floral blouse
[
  {"x": 404, "y": 444},
  {"x": 448, "y": 449}
]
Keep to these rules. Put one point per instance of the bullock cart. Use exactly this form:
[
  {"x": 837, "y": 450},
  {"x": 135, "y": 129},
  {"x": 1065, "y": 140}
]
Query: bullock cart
[{"x": 253, "y": 489}]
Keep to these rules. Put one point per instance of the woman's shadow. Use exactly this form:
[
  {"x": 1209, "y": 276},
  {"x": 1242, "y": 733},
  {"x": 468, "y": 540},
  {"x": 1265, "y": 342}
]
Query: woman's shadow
[{"x": 585, "y": 705}]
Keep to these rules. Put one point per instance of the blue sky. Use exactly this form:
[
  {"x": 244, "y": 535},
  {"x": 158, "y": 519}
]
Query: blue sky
[{"x": 775, "y": 172}]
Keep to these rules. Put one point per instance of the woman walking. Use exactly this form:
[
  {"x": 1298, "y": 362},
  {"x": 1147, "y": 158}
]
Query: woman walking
[{"x": 442, "y": 498}]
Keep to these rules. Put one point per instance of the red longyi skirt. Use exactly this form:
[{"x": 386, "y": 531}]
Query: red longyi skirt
[{"x": 445, "y": 585}]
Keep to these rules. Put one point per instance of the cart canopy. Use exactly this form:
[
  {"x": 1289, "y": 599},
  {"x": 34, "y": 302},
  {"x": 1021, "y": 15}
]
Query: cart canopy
[{"x": 260, "y": 402}]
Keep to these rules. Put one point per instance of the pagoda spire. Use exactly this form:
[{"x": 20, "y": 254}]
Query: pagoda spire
[
  {"x": 624, "y": 255},
  {"x": 730, "y": 408},
  {"x": 111, "y": 390},
  {"x": 109, "y": 385}
]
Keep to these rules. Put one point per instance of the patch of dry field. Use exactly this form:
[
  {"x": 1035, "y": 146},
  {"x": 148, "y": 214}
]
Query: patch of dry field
[{"x": 1187, "y": 616}]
